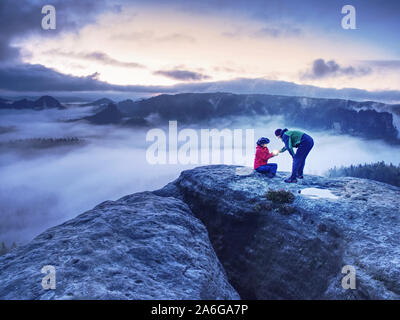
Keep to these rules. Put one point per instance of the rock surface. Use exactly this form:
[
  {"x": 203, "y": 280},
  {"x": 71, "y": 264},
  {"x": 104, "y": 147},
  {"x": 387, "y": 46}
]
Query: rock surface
[
  {"x": 139, "y": 247},
  {"x": 270, "y": 254},
  {"x": 155, "y": 245}
]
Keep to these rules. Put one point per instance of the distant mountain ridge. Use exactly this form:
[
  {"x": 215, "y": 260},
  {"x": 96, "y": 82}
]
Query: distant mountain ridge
[
  {"x": 3, "y": 101},
  {"x": 99, "y": 102},
  {"x": 366, "y": 119},
  {"x": 110, "y": 115},
  {"x": 44, "y": 102}
]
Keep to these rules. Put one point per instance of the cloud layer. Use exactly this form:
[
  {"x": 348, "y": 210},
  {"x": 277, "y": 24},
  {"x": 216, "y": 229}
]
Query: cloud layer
[
  {"x": 325, "y": 69},
  {"x": 27, "y": 78},
  {"x": 182, "y": 75},
  {"x": 96, "y": 56}
]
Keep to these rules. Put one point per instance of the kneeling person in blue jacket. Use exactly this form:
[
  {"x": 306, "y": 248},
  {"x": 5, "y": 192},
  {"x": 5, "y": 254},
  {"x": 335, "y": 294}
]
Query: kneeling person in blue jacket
[{"x": 300, "y": 140}]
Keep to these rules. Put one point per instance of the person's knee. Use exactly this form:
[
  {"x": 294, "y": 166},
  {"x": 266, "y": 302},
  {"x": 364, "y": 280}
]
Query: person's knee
[
  {"x": 298, "y": 156},
  {"x": 262, "y": 169}
]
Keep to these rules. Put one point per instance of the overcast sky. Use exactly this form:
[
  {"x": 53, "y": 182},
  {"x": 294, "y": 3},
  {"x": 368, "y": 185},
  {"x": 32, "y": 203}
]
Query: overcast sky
[{"x": 146, "y": 45}]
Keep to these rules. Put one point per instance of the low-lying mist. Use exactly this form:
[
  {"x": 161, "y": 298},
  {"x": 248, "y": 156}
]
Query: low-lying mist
[{"x": 43, "y": 187}]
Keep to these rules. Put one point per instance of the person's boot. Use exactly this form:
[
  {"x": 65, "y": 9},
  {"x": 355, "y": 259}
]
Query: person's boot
[
  {"x": 290, "y": 180},
  {"x": 300, "y": 177}
]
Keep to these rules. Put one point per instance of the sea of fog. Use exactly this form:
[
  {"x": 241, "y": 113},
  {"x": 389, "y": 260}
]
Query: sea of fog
[{"x": 44, "y": 188}]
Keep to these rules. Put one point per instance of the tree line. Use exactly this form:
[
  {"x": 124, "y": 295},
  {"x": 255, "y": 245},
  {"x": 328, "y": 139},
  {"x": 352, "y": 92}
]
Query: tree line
[
  {"x": 379, "y": 171},
  {"x": 42, "y": 142},
  {"x": 4, "y": 248}
]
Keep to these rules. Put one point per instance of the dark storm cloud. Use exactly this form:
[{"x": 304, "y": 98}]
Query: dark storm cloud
[
  {"x": 27, "y": 77},
  {"x": 7, "y": 52},
  {"x": 23, "y": 18},
  {"x": 182, "y": 75},
  {"x": 326, "y": 69},
  {"x": 31, "y": 78},
  {"x": 38, "y": 78},
  {"x": 16, "y": 18}
]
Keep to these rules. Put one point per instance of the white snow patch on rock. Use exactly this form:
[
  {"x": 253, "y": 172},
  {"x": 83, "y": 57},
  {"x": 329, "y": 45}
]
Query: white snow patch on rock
[
  {"x": 317, "y": 193},
  {"x": 244, "y": 171}
]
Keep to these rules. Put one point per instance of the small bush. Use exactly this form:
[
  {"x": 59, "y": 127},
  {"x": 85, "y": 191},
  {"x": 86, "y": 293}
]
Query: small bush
[
  {"x": 280, "y": 196},
  {"x": 286, "y": 209}
]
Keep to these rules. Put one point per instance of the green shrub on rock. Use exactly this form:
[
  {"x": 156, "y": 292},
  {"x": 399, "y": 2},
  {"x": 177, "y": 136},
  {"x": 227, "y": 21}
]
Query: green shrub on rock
[{"x": 280, "y": 196}]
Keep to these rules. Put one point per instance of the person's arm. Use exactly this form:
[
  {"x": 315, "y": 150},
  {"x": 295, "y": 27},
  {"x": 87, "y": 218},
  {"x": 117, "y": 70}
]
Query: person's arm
[
  {"x": 269, "y": 155},
  {"x": 265, "y": 154},
  {"x": 290, "y": 147}
]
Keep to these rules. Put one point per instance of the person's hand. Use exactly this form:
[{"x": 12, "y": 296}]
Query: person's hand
[{"x": 275, "y": 152}]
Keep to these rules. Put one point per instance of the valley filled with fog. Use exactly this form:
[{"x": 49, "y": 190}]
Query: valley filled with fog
[{"x": 43, "y": 187}]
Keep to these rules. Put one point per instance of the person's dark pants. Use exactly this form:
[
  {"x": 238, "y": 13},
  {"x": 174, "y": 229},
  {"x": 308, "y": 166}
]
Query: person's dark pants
[
  {"x": 299, "y": 159},
  {"x": 268, "y": 169}
]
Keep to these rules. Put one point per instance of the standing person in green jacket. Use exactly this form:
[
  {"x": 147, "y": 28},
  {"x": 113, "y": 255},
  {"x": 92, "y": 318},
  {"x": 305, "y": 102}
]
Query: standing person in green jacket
[{"x": 300, "y": 140}]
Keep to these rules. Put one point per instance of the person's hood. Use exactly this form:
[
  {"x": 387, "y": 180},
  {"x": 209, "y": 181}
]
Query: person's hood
[
  {"x": 283, "y": 131},
  {"x": 262, "y": 141}
]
